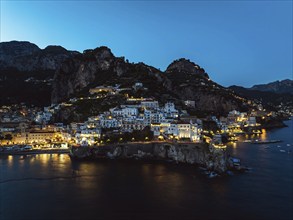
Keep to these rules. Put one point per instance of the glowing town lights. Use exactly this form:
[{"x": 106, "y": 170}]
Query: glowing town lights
[{"x": 220, "y": 146}]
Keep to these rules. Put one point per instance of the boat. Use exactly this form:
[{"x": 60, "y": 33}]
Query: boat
[
  {"x": 235, "y": 161},
  {"x": 212, "y": 174},
  {"x": 247, "y": 141},
  {"x": 283, "y": 151},
  {"x": 265, "y": 141}
]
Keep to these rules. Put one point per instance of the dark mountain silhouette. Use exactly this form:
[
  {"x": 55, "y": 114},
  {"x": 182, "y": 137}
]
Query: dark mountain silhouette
[
  {"x": 26, "y": 71},
  {"x": 281, "y": 87}
]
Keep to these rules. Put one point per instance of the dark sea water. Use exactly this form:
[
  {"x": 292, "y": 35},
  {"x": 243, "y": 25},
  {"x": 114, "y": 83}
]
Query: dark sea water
[{"x": 51, "y": 186}]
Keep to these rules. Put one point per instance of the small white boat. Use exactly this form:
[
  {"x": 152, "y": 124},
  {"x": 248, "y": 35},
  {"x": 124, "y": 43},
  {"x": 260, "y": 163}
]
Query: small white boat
[
  {"x": 283, "y": 151},
  {"x": 212, "y": 174},
  {"x": 278, "y": 146},
  {"x": 247, "y": 141},
  {"x": 288, "y": 145}
]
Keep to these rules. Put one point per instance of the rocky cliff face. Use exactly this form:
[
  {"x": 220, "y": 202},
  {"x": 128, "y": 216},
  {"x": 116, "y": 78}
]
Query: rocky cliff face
[
  {"x": 184, "y": 66},
  {"x": 92, "y": 67},
  {"x": 25, "y": 56},
  {"x": 26, "y": 71},
  {"x": 10, "y": 50},
  {"x": 75, "y": 73},
  {"x": 191, "y": 82},
  {"x": 196, "y": 154},
  {"x": 182, "y": 80}
]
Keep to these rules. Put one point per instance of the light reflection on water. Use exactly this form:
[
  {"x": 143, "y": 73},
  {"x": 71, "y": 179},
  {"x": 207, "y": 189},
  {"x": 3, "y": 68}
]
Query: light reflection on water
[
  {"x": 61, "y": 188},
  {"x": 263, "y": 135},
  {"x": 10, "y": 160}
]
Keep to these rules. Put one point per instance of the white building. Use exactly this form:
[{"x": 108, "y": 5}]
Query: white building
[
  {"x": 127, "y": 112},
  {"x": 147, "y": 117},
  {"x": 130, "y": 125},
  {"x": 151, "y": 104},
  {"x": 110, "y": 123},
  {"x": 157, "y": 117},
  {"x": 43, "y": 117},
  {"x": 173, "y": 129},
  {"x": 87, "y": 136},
  {"x": 137, "y": 86},
  {"x": 187, "y": 130},
  {"x": 116, "y": 111},
  {"x": 170, "y": 110},
  {"x": 183, "y": 130}
]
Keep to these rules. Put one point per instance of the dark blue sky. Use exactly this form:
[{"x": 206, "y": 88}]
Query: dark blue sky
[{"x": 237, "y": 42}]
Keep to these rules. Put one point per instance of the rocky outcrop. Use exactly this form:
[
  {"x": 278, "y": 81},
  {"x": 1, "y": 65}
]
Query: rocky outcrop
[
  {"x": 25, "y": 56},
  {"x": 26, "y": 72},
  {"x": 92, "y": 67},
  {"x": 196, "y": 154},
  {"x": 183, "y": 80},
  {"x": 75, "y": 73},
  {"x": 184, "y": 66},
  {"x": 10, "y": 50}
]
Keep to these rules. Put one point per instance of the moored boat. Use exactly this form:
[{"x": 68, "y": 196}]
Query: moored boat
[{"x": 265, "y": 141}]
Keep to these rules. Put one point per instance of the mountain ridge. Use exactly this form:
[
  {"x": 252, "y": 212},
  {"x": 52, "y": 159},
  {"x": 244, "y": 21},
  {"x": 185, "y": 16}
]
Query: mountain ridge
[
  {"x": 279, "y": 86},
  {"x": 26, "y": 56},
  {"x": 63, "y": 74},
  {"x": 183, "y": 80}
]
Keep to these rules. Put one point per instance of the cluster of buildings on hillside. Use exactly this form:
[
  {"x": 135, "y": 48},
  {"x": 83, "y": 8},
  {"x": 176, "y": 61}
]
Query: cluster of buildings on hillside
[
  {"x": 236, "y": 121},
  {"x": 137, "y": 114},
  {"x": 22, "y": 125},
  {"x": 19, "y": 125}
]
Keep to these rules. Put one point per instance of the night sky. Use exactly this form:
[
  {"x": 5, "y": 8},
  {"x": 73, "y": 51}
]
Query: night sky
[{"x": 237, "y": 42}]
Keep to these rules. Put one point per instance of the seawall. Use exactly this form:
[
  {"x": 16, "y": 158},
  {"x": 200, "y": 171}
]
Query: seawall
[{"x": 199, "y": 154}]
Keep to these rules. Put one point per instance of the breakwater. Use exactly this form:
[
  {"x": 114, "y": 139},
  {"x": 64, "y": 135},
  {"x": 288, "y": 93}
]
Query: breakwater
[{"x": 199, "y": 154}]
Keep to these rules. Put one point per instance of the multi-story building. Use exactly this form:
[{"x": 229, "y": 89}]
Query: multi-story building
[
  {"x": 150, "y": 104},
  {"x": 170, "y": 111},
  {"x": 88, "y": 136}
]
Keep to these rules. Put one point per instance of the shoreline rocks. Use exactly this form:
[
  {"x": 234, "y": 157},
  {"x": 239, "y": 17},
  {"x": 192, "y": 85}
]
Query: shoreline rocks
[{"x": 198, "y": 154}]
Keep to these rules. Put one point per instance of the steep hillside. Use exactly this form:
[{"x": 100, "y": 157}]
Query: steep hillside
[
  {"x": 281, "y": 87},
  {"x": 269, "y": 99},
  {"x": 33, "y": 75},
  {"x": 183, "y": 80},
  {"x": 26, "y": 71},
  {"x": 25, "y": 56}
]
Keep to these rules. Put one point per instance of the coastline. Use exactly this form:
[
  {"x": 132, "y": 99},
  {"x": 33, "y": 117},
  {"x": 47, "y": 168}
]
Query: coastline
[
  {"x": 199, "y": 154},
  {"x": 30, "y": 152}
]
